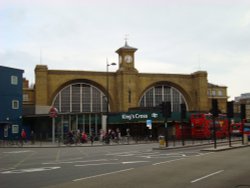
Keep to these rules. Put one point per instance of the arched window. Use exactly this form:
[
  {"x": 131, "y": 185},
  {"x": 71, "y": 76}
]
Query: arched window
[
  {"x": 80, "y": 97},
  {"x": 156, "y": 95}
]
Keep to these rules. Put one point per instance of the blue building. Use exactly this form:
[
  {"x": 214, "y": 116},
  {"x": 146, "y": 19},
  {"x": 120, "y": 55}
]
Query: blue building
[{"x": 11, "y": 94}]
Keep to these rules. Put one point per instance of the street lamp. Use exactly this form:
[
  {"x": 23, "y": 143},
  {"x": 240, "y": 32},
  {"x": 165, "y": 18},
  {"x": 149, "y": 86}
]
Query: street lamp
[{"x": 107, "y": 84}]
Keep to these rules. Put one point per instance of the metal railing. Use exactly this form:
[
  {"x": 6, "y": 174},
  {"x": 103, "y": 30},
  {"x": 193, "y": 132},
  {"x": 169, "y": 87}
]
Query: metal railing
[{"x": 45, "y": 140}]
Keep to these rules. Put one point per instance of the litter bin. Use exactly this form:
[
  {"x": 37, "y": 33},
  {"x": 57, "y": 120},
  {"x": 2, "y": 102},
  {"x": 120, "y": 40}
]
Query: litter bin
[{"x": 161, "y": 141}]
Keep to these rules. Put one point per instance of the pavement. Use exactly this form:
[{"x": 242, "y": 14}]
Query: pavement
[
  {"x": 221, "y": 146},
  {"x": 225, "y": 147},
  {"x": 44, "y": 144}
]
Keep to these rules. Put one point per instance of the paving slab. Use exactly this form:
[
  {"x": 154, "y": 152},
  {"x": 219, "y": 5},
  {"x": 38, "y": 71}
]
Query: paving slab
[{"x": 224, "y": 148}]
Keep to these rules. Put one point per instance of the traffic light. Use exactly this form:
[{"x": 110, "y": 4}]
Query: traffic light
[
  {"x": 166, "y": 109},
  {"x": 183, "y": 111},
  {"x": 230, "y": 109},
  {"x": 243, "y": 111},
  {"x": 215, "y": 110}
]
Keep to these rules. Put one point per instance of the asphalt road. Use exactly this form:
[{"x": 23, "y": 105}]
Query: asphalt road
[{"x": 123, "y": 166}]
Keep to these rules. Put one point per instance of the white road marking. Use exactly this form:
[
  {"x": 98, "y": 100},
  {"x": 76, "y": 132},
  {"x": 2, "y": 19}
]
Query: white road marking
[
  {"x": 126, "y": 162},
  {"x": 97, "y": 164},
  {"x": 68, "y": 160},
  {"x": 124, "y": 153},
  {"x": 5, "y": 169},
  {"x": 99, "y": 175},
  {"x": 165, "y": 155},
  {"x": 23, "y": 160},
  {"x": 131, "y": 162},
  {"x": 30, "y": 170},
  {"x": 204, "y": 177},
  {"x": 71, "y": 162},
  {"x": 148, "y": 155},
  {"x": 168, "y": 161},
  {"x": 15, "y": 152},
  {"x": 202, "y": 154}
]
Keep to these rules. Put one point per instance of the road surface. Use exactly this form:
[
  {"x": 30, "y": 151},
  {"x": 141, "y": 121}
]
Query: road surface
[{"x": 123, "y": 166}]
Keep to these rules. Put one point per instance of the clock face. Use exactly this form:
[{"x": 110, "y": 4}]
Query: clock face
[{"x": 128, "y": 59}]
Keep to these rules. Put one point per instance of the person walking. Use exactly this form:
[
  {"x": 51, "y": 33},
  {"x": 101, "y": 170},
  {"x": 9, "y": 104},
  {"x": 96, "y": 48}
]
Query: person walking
[
  {"x": 84, "y": 137},
  {"x": 92, "y": 139},
  {"x": 23, "y": 136},
  {"x": 32, "y": 137}
]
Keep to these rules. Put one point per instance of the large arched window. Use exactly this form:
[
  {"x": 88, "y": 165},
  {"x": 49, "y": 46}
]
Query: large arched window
[
  {"x": 156, "y": 95},
  {"x": 80, "y": 97}
]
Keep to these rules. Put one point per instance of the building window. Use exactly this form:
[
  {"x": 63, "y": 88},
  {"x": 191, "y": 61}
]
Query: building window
[
  {"x": 15, "y": 104},
  {"x": 15, "y": 129},
  {"x": 156, "y": 95},
  {"x": 25, "y": 97},
  {"x": 220, "y": 93},
  {"x": 14, "y": 80},
  {"x": 80, "y": 97},
  {"x": 213, "y": 93}
]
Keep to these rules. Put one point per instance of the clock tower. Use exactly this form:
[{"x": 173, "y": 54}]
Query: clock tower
[
  {"x": 127, "y": 77},
  {"x": 126, "y": 58}
]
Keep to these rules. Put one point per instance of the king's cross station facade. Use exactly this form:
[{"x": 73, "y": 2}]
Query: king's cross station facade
[{"x": 91, "y": 101}]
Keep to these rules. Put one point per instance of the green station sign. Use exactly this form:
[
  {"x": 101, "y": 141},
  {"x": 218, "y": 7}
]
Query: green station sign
[{"x": 141, "y": 117}]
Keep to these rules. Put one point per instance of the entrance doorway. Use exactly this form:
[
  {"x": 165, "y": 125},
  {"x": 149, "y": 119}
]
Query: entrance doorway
[{"x": 89, "y": 123}]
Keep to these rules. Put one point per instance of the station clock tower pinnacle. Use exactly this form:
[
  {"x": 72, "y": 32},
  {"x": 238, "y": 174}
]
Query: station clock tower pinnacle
[{"x": 126, "y": 58}]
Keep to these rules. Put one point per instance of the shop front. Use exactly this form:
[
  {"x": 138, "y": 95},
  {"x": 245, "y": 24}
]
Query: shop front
[{"x": 142, "y": 124}]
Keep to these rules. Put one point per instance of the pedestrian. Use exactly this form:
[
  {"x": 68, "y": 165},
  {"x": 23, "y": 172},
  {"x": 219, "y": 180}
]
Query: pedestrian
[
  {"x": 128, "y": 134},
  {"x": 107, "y": 138},
  {"x": 23, "y": 136},
  {"x": 78, "y": 136},
  {"x": 102, "y": 135},
  {"x": 84, "y": 137},
  {"x": 32, "y": 137},
  {"x": 92, "y": 139},
  {"x": 118, "y": 134},
  {"x": 70, "y": 138}
]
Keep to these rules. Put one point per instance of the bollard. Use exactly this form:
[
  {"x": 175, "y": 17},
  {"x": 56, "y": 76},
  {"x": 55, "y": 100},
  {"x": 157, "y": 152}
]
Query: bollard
[
  {"x": 245, "y": 139},
  {"x": 162, "y": 143}
]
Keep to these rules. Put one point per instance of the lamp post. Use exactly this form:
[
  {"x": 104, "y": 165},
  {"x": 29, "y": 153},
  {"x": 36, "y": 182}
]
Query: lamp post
[{"x": 107, "y": 84}]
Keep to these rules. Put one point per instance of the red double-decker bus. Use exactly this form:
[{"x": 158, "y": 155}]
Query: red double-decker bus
[
  {"x": 182, "y": 130},
  {"x": 202, "y": 126},
  {"x": 222, "y": 129}
]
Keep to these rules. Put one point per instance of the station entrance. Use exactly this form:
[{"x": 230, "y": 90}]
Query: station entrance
[{"x": 90, "y": 123}]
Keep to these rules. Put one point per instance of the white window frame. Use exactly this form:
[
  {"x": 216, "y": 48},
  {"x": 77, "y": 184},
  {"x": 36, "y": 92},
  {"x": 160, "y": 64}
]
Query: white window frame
[
  {"x": 15, "y": 104},
  {"x": 14, "y": 80},
  {"x": 15, "y": 129}
]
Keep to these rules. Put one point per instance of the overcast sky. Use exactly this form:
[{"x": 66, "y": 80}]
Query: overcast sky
[{"x": 172, "y": 36}]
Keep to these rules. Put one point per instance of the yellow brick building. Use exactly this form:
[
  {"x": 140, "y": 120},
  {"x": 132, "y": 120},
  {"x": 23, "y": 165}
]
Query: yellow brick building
[{"x": 83, "y": 98}]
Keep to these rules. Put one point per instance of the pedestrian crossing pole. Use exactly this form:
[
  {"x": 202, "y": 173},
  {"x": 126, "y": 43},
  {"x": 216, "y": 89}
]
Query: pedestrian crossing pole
[
  {"x": 215, "y": 112},
  {"x": 166, "y": 113},
  {"x": 53, "y": 112}
]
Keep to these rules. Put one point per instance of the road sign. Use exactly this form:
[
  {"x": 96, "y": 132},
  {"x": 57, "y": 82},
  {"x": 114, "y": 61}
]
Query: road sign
[
  {"x": 149, "y": 123},
  {"x": 53, "y": 112}
]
